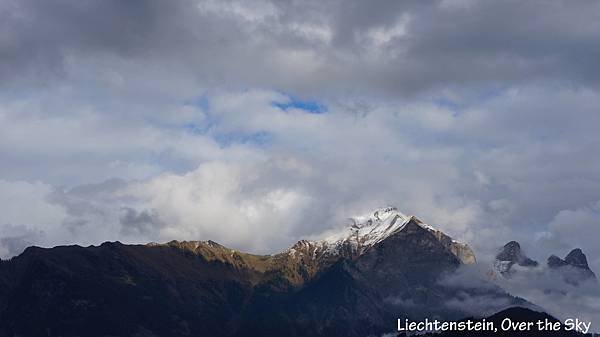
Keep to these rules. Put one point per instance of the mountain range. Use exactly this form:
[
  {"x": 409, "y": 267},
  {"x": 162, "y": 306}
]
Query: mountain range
[
  {"x": 356, "y": 281},
  {"x": 573, "y": 269}
]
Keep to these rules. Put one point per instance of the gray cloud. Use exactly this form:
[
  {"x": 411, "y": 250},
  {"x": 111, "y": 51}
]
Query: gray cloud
[
  {"x": 543, "y": 289},
  {"x": 139, "y": 223},
  {"x": 471, "y": 291},
  {"x": 389, "y": 47},
  {"x": 550, "y": 291},
  {"x": 14, "y": 239}
]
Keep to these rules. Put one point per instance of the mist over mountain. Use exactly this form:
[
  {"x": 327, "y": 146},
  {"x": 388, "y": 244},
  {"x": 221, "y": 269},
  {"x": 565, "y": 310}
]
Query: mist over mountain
[
  {"x": 510, "y": 255},
  {"x": 563, "y": 287},
  {"x": 573, "y": 269}
]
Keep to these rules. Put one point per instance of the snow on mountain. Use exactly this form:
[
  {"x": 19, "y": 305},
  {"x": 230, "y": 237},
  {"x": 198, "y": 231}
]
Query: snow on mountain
[{"x": 365, "y": 231}]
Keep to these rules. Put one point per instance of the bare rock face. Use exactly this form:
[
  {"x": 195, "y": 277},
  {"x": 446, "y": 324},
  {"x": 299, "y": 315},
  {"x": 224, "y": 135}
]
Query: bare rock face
[
  {"x": 577, "y": 259},
  {"x": 555, "y": 262},
  {"x": 463, "y": 252},
  {"x": 574, "y": 267},
  {"x": 510, "y": 255}
]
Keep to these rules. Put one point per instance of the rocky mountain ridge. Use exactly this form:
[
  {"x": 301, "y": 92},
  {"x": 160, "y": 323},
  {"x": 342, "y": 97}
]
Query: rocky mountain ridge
[
  {"x": 353, "y": 282},
  {"x": 510, "y": 255},
  {"x": 574, "y": 267},
  {"x": 307, "y": 257}
]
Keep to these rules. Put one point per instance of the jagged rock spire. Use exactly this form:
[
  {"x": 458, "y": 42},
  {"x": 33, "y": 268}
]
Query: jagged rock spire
[{"x": 510, "y": 255}]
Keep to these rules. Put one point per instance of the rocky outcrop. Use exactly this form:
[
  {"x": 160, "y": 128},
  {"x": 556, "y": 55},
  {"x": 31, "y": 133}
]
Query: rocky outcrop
[
  {"x": 573, "y": 268},
  {"x": 577, "y": 258},
  {"x": 555, "y": 262},
  {"x": 511, "y": 255}
]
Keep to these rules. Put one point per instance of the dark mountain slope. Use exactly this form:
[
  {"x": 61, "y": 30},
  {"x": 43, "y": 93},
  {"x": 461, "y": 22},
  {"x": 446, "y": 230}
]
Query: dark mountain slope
[
  {"x": 116, "y": 289},
  {"x": 354, "y": 283}
]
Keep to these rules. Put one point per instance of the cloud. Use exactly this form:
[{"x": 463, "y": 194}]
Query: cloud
[
  {"x": 570, "y": 229},
  {"x": 473, "y": 291},
  {"x": 478, "y": 174},
  {"x": 384, "y": 48},
  {"x": 139, "y": 223},
  {"x": 25, "y": 215},
  {"x": 228, "y": 203},
  {"x": 14, "y": 239},
  {"x": 550, "y": 291},
  {"x": 26, "y": 203}
]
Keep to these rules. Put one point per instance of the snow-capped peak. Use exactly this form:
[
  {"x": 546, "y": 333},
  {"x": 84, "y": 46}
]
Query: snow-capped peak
[
  {"x": 364, "y": 231},
  {"x": 378, "y": 216},
  {"x": 372, "y": 226}
]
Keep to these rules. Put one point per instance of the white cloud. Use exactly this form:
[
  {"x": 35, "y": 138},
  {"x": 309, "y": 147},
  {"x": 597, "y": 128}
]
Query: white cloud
[
  {"x": 557, "y": 297},
  {"x": 26, "y": 216},
  {"x": 422, "y": 157},
  {"x": 222, "y": 202},
  {"x": 252, "y": 11},
  {"x": 25, "y": 203},
  {"x": 571, "y": 228}
]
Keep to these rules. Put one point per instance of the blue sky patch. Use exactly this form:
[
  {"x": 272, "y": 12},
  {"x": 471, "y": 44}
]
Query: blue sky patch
[
  {"x": 261, "y": 138},
  {"x": 306, "y": 105},
  {"x": 201, "y": 101}
]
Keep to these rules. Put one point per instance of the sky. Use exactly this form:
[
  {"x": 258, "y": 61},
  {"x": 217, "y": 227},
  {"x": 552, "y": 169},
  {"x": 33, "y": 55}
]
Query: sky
[{"x": 259, "y": 123}]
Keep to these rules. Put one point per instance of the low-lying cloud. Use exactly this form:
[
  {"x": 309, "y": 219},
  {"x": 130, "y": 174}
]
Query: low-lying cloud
[{"x": 555, "y": 295}]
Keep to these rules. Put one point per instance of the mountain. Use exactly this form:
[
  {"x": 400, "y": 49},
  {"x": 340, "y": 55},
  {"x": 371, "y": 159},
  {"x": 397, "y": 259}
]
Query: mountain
[
  {"x": 573, "y": 268},
  {"x": 356, "y": 281},
  {"x": 510, "y": 255},
  {"x": 362, "y": 233}
]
